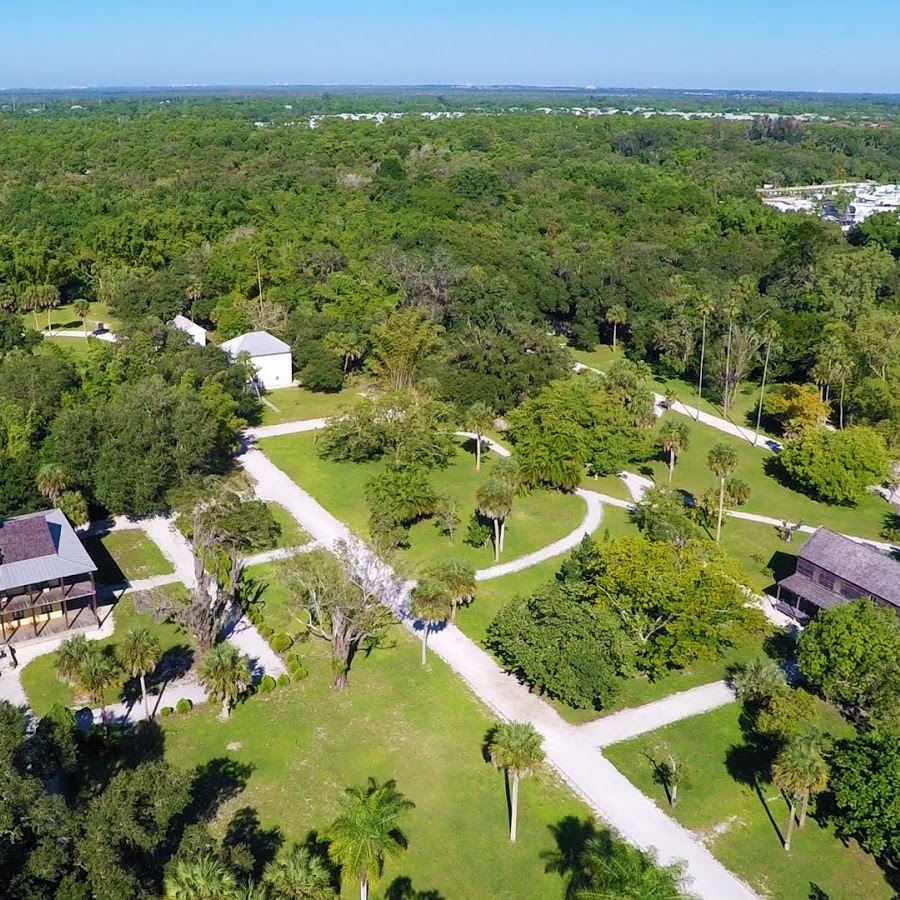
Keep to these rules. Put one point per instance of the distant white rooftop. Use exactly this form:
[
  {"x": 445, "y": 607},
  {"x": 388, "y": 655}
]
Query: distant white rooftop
[{"x": 256, "y": 343}]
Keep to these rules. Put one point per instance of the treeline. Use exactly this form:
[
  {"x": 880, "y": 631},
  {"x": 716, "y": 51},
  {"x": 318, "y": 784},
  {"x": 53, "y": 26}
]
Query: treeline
[{"x": 119, "y": 428}]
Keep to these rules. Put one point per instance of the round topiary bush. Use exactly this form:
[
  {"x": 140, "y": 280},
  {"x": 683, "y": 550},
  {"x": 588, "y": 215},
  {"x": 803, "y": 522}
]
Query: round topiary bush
[
  {"x": 281, "y": 642},
  {"x": 166, "y": 711},
  {"x": 283, "y": 679},
  {"x": 297, "y": 670},
  {"x": 266, "y": 631},
  {"x": 266, "y": 684},
  {"x": 184, "y": 705}
]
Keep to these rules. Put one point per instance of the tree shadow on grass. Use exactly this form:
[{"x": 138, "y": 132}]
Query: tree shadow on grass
[
  {"x": 250, "y": 846},
  {"x": 486, "y": 756},
  {"x": 573, "y": 837},
  {"x": 401, "y": 888},
  {"x": 106, "y": 751},
  {"x": 108, "y": 571},
  {"x": 746, "y": 764},
  {"x": 216, "y": 782},
  {"x": 174, "y": 663}
]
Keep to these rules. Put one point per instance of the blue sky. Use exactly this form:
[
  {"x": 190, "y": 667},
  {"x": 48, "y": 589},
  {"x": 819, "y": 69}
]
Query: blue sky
[{"x": 762, "y": 44}]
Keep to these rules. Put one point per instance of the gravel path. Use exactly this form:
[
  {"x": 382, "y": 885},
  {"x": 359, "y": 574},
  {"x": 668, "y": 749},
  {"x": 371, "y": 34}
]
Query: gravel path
[
  {"x": 637, "y": 485},
  {"x": 572, "y": 755},
  {"x": 187, "y": 688},
  {"x": 588, "y": 525},
  {"x": 630, "y": 723}
]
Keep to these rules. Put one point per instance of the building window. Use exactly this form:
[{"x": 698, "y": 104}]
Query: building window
[
  {"x": 826, "y": 579},
  {"x": 804, "y": 568},
  {"x": 851, "y": 591}
]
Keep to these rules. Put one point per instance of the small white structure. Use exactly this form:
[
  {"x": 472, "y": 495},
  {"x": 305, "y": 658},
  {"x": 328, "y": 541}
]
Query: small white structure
[
  {"x": 194, "y": 331},
  {"x": 270, "y": 357}
]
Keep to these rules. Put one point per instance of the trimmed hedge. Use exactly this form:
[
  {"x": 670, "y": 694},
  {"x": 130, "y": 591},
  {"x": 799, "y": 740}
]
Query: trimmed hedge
[
  {"x": 166, "y": 711},
  {"x": 283, "y": 680},
  {"x": 184, "y": 705},
  {"x": 266, "y": 631},
  {"x": 266, "y": 684}
]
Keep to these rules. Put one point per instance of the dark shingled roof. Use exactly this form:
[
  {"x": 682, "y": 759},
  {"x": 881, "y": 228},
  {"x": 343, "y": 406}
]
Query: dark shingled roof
[
  {"x": 22, "y": 539},
  {"x": 810, "y": 590},
  {"x": 869, "y": 569}
]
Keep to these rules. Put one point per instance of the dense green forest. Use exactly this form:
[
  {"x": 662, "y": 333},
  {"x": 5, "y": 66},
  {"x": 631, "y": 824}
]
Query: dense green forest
[{"x": 501, "y": 231}]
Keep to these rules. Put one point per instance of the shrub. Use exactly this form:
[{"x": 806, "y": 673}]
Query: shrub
[
  {"x": 166, "y": 711},
  {"x": 281, "y": 642},
  {"x": 298, "y": 670},
  {"x": 266, "y": 684},
  {"x": 266, "y": 631},
  {"x": 284, "y": 679},
  {"x": 184, "y": 705},
  {"x": 292, "y": 658}
]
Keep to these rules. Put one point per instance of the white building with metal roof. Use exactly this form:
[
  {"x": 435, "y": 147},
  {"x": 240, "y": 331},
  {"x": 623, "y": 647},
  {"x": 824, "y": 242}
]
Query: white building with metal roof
[
  {"x": 269, "y": 356},
  {"x": 197, "y": 333}
]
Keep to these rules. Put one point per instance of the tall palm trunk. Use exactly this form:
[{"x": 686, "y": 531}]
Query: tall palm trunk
[
  {"x": 804, "y": 806},
  {"x": 363, "y": 887},
  {"x": 762, "y": 390},
  {"x": 425, "y": 629},
  {"x": 514, "y": 806},
  {"x": 721, "y": 507},
  {"x": 496, "y": 539},
  {"x": 700, "y": 380},
  {"x": 477, "y": 451},
  {"x": 502, "y": 534},
  {"x": 790, "y": 829},
  {"x": 726, "y": 394},
  {"x": 226, "y": 709},
  {"x": 614, "y": 337},
  {"x": 841, "y": 407},
  {"x": 671, "y": 464},
  {"x": 144, "y": 695}
]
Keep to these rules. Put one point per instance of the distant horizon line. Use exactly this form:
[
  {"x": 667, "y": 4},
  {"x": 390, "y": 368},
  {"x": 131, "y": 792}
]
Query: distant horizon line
[{"x": 465, "y": 87}]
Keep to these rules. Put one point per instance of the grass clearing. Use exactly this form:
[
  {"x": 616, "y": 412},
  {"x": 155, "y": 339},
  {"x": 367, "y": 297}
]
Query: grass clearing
[
  {"x": 296, "y": 404},
  {"x": 292, "y": 535},
  {"x": 65, "y": 318},
  {"x": 304, "y": 744},
  {"x": 126, "y": 555},
  {"x": 740, "y": 824},
  {"x": 768, "y": 497},
  {"x": 43, "y": 688},
  {"x": 537, "y": 519}
]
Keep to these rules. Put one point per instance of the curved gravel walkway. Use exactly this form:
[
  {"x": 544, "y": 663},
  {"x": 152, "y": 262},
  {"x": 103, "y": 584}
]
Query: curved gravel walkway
[{"x": 589, "y": 524}]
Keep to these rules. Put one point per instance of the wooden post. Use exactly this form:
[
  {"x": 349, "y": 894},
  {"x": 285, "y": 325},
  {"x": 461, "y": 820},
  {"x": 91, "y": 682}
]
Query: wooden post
[
  {"x": 65, "y": 612},
  {"x": 94, "y": 597},
  {"x": 34, "y": 622},
  {"x": 2, "y": 627}
]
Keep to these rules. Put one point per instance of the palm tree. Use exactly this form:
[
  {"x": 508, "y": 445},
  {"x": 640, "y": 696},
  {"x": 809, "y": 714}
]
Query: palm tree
[
  {"x": 138, "y": 654},
  {"x": 479, "y": 417},
  {"x": 730, "y": 308},
  {"x": 673, "y": 438},
  {"x": 494, "y": 499},
  {"x": 348, "y": 345},
  {"x": 51, "y": 481},
  {"x": 706, "y": 307},
  {"x": 616, "y": 315},
  {"x": 722, "y": 461},
  {"x": 70, "y": 657},
  {"x": 515, "y": 747},
  {"x": 201, "y": 878},
  {"x": 225, "y": 674},
  {"x": 74, "y": 507},
  {"x": 82, "y": 307},
  {"x": 758, "y": 680},
  {"x": 799, "y": 770},
  {"x": 97, "y": 673},
  {"x": 611, "y": 870},
  {"x": 458, "y": 577},
  {"x": 431, "y": 604},
  {"x": 298, "y": 874},
  {"x": 366, "y": 831},
  {"x": 843, "y": 369},
  {"x": 770, "y": 332}
]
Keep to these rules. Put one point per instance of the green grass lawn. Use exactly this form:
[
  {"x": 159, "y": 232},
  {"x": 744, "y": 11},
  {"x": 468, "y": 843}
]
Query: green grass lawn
[
  {"x": 266, "y": 584},
  {"x": 126, "y": 555},
  {"x": 768, "y": 497},
  {"x": 537, "y": 519},
  {"x": 65, "y": 318},
  {"x": 291, "y": 533},
  {"x": 305, "y": 744},
  {"x": 742, "y": 826},
  {"x": 297, "y": 403},
  {"x": 73, "y": 347},
  {"x": 43, "y": 687}
]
